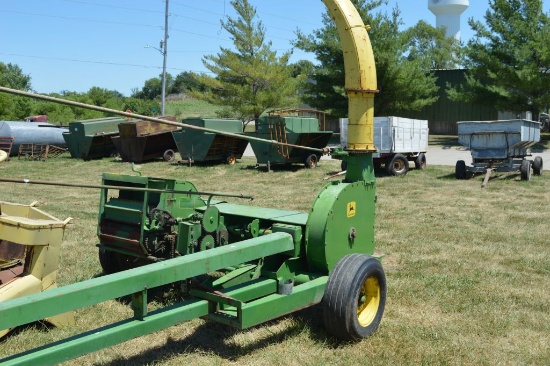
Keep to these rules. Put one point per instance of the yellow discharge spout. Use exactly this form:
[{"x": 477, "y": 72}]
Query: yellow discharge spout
[{"x": 360, "y": 73}]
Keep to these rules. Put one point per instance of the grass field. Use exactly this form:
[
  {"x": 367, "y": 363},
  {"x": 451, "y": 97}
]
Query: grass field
[
  {"x": 189, "y": 107},
  {"x": 467, "y": 269}
]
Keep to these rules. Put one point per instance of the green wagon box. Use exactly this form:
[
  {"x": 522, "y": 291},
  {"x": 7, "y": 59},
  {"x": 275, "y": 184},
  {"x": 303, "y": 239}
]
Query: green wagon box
[
  {"x": 200, "y": 146},
  {"x": 91, "y": 138},
  {"x": 295, "y": 130}
]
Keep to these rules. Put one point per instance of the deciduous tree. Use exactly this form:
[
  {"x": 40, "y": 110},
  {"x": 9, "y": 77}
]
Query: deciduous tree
[{"x": 14, "y": 107}]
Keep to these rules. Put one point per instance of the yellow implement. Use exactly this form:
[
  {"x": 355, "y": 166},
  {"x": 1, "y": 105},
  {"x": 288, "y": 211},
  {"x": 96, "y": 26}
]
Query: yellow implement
[{"x": 30, "y": 244}]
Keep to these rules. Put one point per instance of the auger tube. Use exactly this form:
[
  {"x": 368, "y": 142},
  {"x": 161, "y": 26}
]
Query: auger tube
[{"x": 360, "y": 71}]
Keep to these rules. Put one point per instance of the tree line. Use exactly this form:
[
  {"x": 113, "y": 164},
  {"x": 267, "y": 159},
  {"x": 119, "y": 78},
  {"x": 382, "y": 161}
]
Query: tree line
[{"x": 506, "y": 62}]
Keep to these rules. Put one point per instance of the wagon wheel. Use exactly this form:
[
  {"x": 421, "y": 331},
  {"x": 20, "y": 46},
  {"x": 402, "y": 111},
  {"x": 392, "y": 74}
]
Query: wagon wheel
[
  {"x": 460, "y": 169},
  {"x": 230, "y": 159},
  {"x": 311, "y": 161},
  {"x": 169, "y": 155},
  {"x": 397, "y": 165},
  {"x": 525, "y": 170},
  {"x": 420, "y": 162},
  {"x": 537, "y": 165},
  {"x": 355, "y": 296}
]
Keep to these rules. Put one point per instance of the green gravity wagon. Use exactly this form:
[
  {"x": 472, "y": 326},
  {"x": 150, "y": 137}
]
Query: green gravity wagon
[
  {"x": 200, "y": 146},
  {"x": 295, "y": 129},
  {"x": 91, "y": 138}
]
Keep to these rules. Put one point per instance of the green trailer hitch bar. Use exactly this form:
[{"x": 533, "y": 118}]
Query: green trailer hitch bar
[{"x": 240, "y": 306}]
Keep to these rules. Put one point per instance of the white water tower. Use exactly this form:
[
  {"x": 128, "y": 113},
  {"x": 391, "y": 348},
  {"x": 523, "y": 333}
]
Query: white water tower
[{"x": 447, "y": 14}]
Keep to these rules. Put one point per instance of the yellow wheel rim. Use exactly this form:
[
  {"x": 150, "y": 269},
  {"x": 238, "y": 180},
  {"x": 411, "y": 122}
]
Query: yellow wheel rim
[
  {"x": 231, "y": 159},
  {"x": 369, "y": 301}
]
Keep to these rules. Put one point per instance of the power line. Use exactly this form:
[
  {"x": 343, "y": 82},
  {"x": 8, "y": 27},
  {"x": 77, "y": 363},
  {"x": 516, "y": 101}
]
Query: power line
[
  {"x": 113, "y": 6},
  {"x": 80, "y": 19},
  {"x": 128, "y": 24},
  {"x": 156, "y": 12},
  {"x": 86, "y": 61}
]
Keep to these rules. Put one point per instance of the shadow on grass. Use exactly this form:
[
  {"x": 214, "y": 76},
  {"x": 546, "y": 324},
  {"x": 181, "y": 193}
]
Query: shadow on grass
[
  {"x": 495, "y": 176},
  {"x": 214, "y": 338},
  {"x": 275, "y": 167}
]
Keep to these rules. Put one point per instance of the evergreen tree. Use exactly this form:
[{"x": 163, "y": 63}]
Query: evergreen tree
[
  {"x": 404, "y": 75},
  {"x": 508, "y": 60},
  {"x": 252, "y": 78}
]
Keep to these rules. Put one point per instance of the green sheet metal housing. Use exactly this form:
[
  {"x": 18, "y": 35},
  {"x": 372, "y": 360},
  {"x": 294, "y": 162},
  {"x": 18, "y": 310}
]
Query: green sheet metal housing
[
  {"x": 91, "y": 138},
  {"x": 303, "y": 131},
  {"x": 200, "y": 146}
]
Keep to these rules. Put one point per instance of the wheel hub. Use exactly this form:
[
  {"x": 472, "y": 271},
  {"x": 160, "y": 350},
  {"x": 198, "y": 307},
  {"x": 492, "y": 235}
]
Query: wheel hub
[{"x": 369, "y": 301}]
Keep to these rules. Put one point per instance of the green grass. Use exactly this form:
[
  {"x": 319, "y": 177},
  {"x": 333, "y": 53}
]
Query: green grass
[
  {"x": 467, "y": 269},
  {"x": 189, "y": 107}
]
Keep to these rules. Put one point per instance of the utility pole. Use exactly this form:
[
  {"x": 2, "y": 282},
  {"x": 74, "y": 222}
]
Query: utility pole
[{"x": 164, "y": 48}]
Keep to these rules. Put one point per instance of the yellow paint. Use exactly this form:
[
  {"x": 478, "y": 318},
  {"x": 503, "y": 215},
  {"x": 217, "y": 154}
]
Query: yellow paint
[
  {"x": 360, "y": 71},
  {"x": 352, "y": 208},
  {"x": 369, "y": 301},
  {"x": 41, "y": 235}
]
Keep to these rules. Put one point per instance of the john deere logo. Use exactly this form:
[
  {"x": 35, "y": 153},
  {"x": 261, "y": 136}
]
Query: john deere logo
[{"x": 351, "y": 209}]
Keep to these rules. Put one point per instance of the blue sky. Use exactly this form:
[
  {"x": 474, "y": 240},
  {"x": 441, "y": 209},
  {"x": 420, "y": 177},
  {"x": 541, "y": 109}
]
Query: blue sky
[{"x": 76, "y": 44}]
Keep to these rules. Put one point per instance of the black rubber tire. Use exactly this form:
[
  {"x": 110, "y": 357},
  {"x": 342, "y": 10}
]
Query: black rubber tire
[
  {"x": 169, "y": 155},
  {"x": 537, "y": 165},
  {"x": 113, "y": 262},
  {"x": 525, "y": 170},
  {"x": 420, "y": 162},
  {"x": 397, "y": 165},
  {"x": 347, "y": 315},
  {"x": 460, "y": 169},
  {"x": 311, "y": 161}
]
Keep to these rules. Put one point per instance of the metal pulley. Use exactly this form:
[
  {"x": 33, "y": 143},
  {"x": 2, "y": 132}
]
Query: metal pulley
[{"x": 210, "y": 219}]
